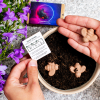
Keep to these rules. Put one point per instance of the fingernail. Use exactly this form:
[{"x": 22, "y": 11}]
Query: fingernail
[{"x": 33, "y": 63}]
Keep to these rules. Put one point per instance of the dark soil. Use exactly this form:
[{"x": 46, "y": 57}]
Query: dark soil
[{"x": 65, "y": 56}]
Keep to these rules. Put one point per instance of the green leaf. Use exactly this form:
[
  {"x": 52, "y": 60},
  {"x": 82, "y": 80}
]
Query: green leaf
[
  {"x": 16, "y": 11},
  {"x": 19, "y": 35},
  {"x": 1, "y": 40},
  {"x": 1, "y": 16},
  {"x": 2, "y": 27},
  {"x": 8, "y": 5}
]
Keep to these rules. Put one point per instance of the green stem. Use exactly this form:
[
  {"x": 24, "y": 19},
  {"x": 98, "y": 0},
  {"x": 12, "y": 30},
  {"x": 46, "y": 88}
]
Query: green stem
[
  {"x": 2, "y": 56},
  {"x": 14, "y": 24},
  {"x": 7, "y": 23},
  {"x": 7, "y": 26},
  {"x": 5, "y": 51},
  {"x": 18, "y": 4},
  {"x": 4, "y": 59},
  {"x": 22, "y": 2}
]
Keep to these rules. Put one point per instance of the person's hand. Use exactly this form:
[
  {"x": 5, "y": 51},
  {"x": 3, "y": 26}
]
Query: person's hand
[
  {"x": 14, "y": 88},
  {"x": 71, "y": 27}
]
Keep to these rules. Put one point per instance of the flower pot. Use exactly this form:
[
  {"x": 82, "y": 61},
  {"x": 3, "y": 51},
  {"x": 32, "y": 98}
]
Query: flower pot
[{"x": 74, "y": 90}]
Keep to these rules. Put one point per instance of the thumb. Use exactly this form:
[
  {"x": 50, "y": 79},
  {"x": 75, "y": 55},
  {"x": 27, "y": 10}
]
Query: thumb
[{"x": 32, "y": 72}]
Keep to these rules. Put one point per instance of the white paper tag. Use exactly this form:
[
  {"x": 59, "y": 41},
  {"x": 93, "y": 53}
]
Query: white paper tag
[{"x": 36, "y": 46}]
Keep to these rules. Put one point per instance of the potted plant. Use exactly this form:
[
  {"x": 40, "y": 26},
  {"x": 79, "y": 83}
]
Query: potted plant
[{"x": 51, "y": 81}]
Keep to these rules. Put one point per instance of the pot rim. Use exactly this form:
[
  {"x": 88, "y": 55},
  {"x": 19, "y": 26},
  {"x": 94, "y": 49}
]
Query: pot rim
[{"x": 74, "y": 90}]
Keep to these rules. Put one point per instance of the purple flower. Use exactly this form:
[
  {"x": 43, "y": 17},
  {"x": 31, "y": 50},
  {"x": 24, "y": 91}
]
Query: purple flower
[
  {"x": 26, "y": 10},
  {"x": 5, "y": 76},
  {"x": 37, "y": 0},
  {"x": 23, "y": 17},
  {"x": 2, "y": 73},
  {"x": 23, "y": 31},
  {"x": 2, "y": 82},
  {"x": 9, "y": 36},
  {"x": 2, "y": 69},
  {"x": 2, "y": 5},
  {"x": 1, "y": 87},
  {"x": 0, "y": 51},
  {"x": 3, "y": 43},
  {"x": 10, "y": 15},
  {"x": 17, "y": 54}
]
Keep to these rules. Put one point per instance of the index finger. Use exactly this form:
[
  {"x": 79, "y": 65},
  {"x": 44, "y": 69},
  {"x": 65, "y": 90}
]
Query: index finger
[
  {"x": 17, "y": 70},
  {"x": 27, "y": 56},
  {"x": 82, "y": 21}
]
